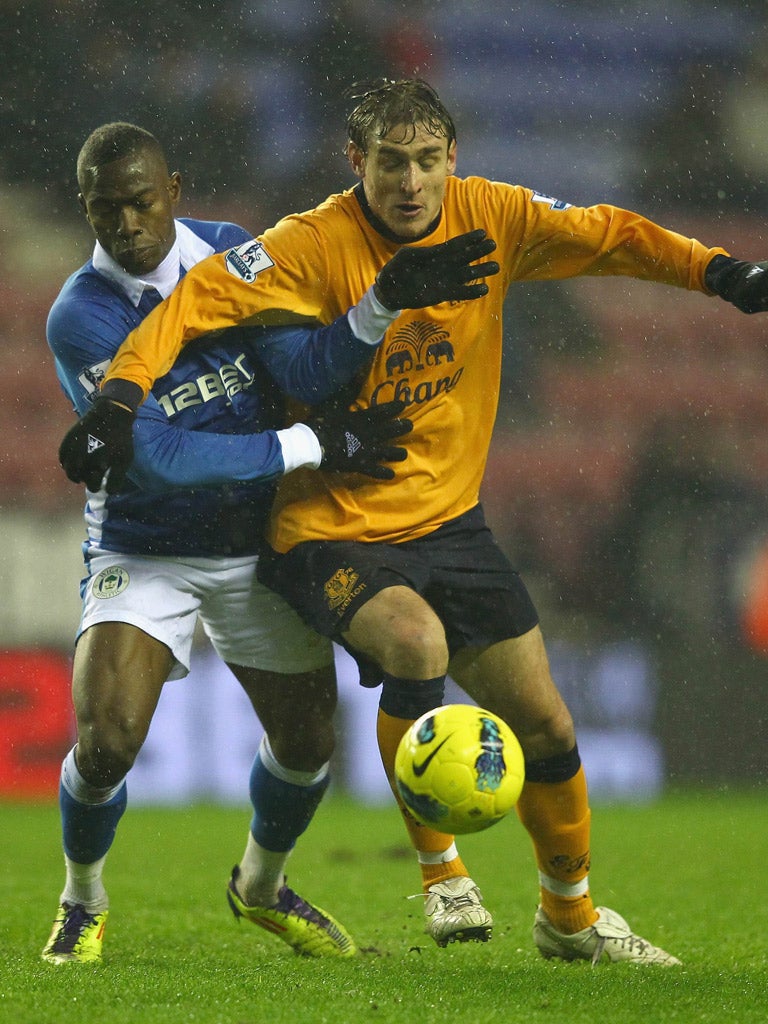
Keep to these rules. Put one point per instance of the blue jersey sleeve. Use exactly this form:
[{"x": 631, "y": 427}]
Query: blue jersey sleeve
[
  {"x": 312, "y": 364},
  {"x": 309, "y": 364},
  {"x": 86, "y": 326},
  {"x": 168, "y": 456}
]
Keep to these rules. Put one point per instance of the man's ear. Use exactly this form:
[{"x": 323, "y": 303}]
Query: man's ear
[
  {"x": 452, "y": 157},
  {"x": 356, "y": 158},
  {"x": 174, "y": 187}
]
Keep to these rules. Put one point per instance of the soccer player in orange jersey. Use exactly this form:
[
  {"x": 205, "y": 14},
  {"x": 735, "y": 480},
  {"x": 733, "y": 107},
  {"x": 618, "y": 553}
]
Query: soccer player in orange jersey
[{"x": 405, "y": 573}]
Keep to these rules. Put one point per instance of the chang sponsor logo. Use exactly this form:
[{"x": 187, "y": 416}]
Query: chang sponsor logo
[
  {"x": 419, "y": 348},
  {"x": 571, "y": 865}
]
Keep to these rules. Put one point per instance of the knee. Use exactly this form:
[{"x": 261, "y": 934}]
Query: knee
[
  {"x": 552, "y": 734},
  {"x": 296, "y": 712},
  {"x": 107, "y": 749},
  {"x": 306, "y": 746},
  {"x": 117, "y": 677},
  {"x": 559, "y": 729},
  {"x": 400, "y": 631},
  {"x": 419, "y": 647}
]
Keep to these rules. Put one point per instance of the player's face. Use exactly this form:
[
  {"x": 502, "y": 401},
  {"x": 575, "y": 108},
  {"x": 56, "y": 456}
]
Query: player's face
[
  {"x": 404, "y": 181},
  {"x": 130, "y": 204}
]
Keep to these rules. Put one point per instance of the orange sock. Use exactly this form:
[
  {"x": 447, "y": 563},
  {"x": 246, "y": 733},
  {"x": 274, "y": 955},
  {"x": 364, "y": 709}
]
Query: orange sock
[
  {"x": 557, "y": 818},
  {"x": 442, "y": 870},
  {"x": 432, "y": 847}
]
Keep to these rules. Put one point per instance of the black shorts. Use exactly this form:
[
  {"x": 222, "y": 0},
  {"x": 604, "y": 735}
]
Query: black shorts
[{"x": 459, "y": 569}]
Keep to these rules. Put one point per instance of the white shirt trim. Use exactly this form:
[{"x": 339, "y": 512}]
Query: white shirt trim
[
  {"x": 187, "y": 250},
  {"x": 369, "y": 319},
  {"x": 300, "y": 447}
]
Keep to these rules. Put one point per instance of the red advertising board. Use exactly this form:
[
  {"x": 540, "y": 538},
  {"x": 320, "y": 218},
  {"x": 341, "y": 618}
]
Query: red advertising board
[{"x": 36, "y": 722}]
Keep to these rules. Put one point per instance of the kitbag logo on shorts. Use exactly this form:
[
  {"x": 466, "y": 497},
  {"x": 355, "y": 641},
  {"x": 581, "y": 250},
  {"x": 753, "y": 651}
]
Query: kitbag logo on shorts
[
  {"x": 248, "y": 260},
  {"x": 110, "y": 582}
]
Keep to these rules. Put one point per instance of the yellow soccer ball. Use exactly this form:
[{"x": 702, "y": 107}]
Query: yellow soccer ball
[{"x": 459, "y": 769}]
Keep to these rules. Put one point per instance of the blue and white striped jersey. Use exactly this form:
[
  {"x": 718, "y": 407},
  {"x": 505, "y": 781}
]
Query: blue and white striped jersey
[{"x": 207, "y": 455}]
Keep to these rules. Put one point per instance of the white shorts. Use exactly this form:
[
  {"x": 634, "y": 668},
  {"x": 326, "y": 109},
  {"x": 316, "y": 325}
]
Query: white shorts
[{"x": 246, "y": 623}]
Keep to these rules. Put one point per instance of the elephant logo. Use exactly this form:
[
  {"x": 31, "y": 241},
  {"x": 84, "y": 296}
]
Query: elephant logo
[{"x": 417, "y": 345}]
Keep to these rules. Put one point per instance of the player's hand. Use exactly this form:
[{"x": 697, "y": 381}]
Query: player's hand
[
  {"x": 423, "y": 276},
  {"x": 358, "y": 441},
  {"x": 101, "y": 440},
  {"x": 743, "y": 284}
]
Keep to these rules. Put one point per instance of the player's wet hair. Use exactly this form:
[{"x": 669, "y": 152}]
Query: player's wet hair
[
  {"x": 387, "y": 104},
  {"x": 110, "y": 142}
]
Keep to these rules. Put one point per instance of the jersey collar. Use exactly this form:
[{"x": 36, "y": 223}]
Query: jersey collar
[
  {"x": 378, "y": 225},
  {"x": 163, "y": 278}
]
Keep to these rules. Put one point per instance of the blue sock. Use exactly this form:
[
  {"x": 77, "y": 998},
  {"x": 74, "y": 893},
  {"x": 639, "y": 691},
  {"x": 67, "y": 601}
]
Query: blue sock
[
  {"x": 282, "y": 809},
  {"x": 88, "y": 820},
  {"x": 88, "y": 829}
]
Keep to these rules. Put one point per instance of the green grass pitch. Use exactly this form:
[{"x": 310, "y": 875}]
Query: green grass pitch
[{"x": 687, "y": 871}]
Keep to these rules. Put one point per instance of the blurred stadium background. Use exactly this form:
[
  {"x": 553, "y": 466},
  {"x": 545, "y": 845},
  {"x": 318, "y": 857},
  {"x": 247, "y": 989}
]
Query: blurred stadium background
[{"x": 628, "y": 475}]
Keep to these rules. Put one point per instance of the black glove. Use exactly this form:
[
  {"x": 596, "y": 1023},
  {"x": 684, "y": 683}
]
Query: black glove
[
  {"x": 743, "y": 284},
  {"x": 101, "y": 440},
  {"x": 356, "y": 441},
  {"x": 417, "y": 277}
]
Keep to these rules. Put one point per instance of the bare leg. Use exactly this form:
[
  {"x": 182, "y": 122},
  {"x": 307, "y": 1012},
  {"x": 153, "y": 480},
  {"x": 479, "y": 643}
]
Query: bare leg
[
  {"x": 118, "y": 675},
  {"x": 289, "y": 774}
]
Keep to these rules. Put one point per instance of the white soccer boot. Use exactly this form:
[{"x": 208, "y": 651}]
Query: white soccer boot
[
  {"x": 455, "y": 912},
  {"x": 609, "y": 938}
]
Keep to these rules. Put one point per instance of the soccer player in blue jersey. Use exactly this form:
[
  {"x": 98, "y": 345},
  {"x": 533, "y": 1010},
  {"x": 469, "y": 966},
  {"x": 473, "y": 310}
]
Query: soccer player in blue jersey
[{"x": 178, "y": 540}]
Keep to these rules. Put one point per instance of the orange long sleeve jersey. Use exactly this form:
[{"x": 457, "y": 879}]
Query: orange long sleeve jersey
[{"x": 444, "y": 361}]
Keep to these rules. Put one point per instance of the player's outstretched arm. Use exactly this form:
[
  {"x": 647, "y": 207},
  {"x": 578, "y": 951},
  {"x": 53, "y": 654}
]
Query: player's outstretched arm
[
  {"x": 310, "y": 364},
  {"x": 743, "y": 284},
  {"x": 102, "y": 440},
  {"x": 357, "y": 441},
  {"x": 416, "y": 277}
]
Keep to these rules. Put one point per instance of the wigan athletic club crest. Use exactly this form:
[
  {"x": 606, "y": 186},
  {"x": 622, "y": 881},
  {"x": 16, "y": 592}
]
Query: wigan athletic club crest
[{"x": 110, "y": 582}]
